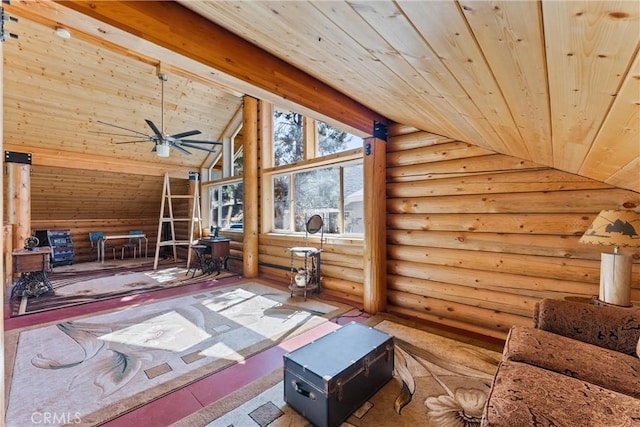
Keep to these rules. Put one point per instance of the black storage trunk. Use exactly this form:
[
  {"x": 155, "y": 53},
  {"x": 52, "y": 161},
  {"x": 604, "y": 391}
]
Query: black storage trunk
[{"x": 328, "y": 379}]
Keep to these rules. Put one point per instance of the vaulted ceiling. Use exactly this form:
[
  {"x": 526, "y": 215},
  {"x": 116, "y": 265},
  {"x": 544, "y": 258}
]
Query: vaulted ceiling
[{"x": 554, "y": 82}]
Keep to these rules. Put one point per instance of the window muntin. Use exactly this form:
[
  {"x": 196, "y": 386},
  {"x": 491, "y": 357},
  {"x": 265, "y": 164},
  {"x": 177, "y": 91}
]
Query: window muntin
[
  {"x": 332, "y": 140},
  {"x": 226, "y": 207},
  {"x": 288, "y": 137}
]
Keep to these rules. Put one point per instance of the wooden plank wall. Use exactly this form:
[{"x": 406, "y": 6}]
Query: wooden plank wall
[
  {"x": 476, "y": 238},
  {"x": 88, "y": 200}
]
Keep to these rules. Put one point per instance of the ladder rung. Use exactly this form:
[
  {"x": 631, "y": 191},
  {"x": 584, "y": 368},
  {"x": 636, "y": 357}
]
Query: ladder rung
[
  {"x": 180, "y": 196},
  {"x": 173, "y": 242}
]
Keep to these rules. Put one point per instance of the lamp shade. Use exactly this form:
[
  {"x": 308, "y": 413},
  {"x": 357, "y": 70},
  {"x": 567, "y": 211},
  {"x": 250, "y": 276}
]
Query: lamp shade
[
  {"x": 162, "y": 150},
  {"x": 613, "y": 227}
]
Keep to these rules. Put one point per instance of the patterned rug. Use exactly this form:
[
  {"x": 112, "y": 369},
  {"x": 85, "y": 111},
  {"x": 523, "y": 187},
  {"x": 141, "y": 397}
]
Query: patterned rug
[
  {"x": 437, "y": 382},
  {"x": 74, "y": 285},
  {"x": 91, "y": 369}
]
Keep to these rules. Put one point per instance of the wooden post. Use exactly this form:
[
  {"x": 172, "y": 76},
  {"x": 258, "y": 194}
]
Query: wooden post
[
  {"x": 250, "y": 183},
  {"x": 375, "y": 227},
  {"x": 19, "y": 201},
  {"x": 5, "y": 247}
]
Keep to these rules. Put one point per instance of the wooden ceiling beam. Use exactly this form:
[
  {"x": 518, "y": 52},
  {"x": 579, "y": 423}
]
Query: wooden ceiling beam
[
  {"x": 64, "y": 159},
  {"x": 174, "y": 27}
]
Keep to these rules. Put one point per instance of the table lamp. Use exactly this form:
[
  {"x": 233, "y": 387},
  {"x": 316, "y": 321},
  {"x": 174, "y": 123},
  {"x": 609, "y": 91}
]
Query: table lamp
[{"x": 617, "y": 228}]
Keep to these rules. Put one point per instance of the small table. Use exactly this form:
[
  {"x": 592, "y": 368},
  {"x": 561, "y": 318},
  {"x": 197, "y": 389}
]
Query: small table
[
  {"x": 140, "y": 237},
  {"x": 311, "y": 270},
  {"x": 219, "y": 254},
  {"x": 33, "y": 265}
]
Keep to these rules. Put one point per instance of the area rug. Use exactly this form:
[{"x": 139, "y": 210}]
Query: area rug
[
  {"x": 437, "y": 382},
  {"x": 81, "y": 287},
  {"x": 94, "y": 368}
]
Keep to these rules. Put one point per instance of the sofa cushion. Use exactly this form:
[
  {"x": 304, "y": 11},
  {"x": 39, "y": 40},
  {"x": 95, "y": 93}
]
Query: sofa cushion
[
  {"x": 606, "y": 368},
  {"x": 525, "y": 395}
]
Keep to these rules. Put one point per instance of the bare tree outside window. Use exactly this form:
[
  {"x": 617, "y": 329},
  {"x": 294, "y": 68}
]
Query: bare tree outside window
[
  {"x": 332, "y": 140},
  {"x": 288, "y": 137},
  {"x": 317, "y": 192}
]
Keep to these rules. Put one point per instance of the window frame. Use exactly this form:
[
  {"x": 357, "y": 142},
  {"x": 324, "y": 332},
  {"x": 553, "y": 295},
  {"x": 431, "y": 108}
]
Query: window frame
[
  {"x": 218, "y": 184},
  {"x": 291, "y": 173},
  {"x": 310, "y": 160}
]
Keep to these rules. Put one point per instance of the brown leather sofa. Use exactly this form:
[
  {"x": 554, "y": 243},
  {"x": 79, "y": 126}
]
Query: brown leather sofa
[{"x": 578, "y": 366}]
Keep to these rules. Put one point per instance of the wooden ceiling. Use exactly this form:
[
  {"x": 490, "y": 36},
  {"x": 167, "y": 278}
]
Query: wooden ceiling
[
  {"x": 56, "y": 91},
  {"x": 554, "y": 82}
]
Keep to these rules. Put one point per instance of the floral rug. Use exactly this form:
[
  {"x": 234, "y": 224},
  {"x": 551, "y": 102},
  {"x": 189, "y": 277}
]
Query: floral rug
[
  {"x": 437, "y": 382},
  {"x": 93, "y": 368}
]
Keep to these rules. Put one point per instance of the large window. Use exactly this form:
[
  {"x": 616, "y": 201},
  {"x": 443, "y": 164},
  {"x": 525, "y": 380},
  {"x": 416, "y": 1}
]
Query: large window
[
  {"x": 226, "y": 209},
  {"x": 317, "y": 169},
  {"x": 334, "y": 192}
]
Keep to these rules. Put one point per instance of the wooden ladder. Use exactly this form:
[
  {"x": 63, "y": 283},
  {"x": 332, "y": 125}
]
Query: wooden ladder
[{"x": 166, "y": 216}]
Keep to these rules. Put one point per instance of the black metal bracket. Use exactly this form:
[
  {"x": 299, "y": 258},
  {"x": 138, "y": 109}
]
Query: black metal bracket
[
  {"x": 380, "y": 131},
  {"x": 4, "y": 17},
  {"x": 15, "y": 157}
]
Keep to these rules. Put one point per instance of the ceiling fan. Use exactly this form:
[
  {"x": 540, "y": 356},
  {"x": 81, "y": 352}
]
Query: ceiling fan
[{"x": 162, "y": 142}]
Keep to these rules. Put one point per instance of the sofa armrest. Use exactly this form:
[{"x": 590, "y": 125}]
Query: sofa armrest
[{"x": 615, "y": 328}]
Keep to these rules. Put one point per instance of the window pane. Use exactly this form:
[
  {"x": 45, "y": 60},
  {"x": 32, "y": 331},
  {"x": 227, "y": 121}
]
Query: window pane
[
  {"x": 238, "y": 163},
  {"x": 232, "y": 208},
  {"x": 288, "y": 146},
  {"x": 332, "y": 140},
  {"x": 281, "y": 210},
  {"x": 317, "y": 192},
  {"x": 353, "y": 203}
]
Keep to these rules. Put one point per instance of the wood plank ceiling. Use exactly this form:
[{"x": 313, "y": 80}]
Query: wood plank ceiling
[
  {"x": 554, "y": 82},
  {"x": 56, "y": 92}
]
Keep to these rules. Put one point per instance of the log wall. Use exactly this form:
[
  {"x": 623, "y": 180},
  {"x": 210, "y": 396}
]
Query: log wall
[
  {"x": 341, "y": 266},
  {"x": 88, "y": 200},
  {"x": 475, "y": 238}
]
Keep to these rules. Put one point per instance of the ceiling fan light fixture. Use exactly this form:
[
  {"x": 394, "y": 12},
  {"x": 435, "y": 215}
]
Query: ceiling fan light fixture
[{"x": 162, "y": 150}]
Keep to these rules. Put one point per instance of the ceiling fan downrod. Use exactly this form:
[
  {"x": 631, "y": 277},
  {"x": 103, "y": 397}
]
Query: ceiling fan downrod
[{"x": 163, "y": 78}]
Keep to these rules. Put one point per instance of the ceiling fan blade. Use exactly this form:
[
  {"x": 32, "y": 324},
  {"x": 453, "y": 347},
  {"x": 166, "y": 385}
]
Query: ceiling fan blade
[
  {"x": 111, "y": 133},
  {"x": 195, "y": 141},
  {"x": 177, "y": 147},
  {"x": 184, "y": 134},
  {"x": 120, "y": 127},
  {"x": 199, "y": 148},
  {"x": 154, "y": 129},
  {"x": 132, "y": 142}
]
